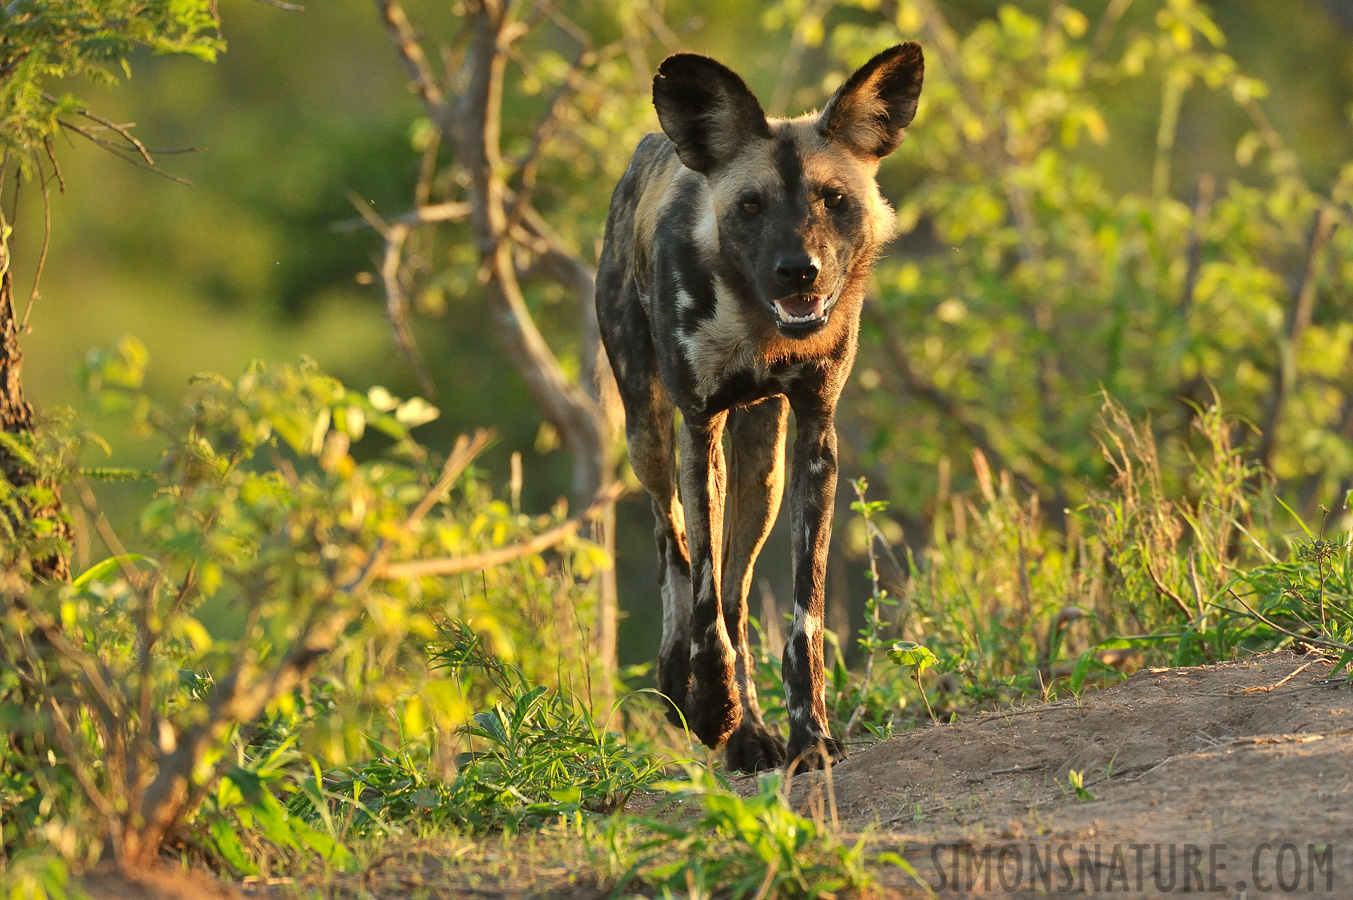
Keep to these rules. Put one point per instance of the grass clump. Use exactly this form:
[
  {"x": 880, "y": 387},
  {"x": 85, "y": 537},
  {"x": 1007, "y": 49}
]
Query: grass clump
[
  {"x": 535, "y": 754},
  {"x": 704, "y": 840}
]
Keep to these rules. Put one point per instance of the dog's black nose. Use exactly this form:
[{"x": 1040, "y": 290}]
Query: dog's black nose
[{"x": 797, "y": 271}]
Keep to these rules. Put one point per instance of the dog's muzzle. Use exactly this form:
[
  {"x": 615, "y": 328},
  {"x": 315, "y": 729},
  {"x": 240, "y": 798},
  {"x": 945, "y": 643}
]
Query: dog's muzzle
[{"x": 802, "y": 313}]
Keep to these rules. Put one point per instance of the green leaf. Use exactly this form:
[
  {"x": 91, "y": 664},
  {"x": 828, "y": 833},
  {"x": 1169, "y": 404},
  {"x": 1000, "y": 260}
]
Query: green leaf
[
  {"x": 912, "y": 656},
  {"x": 230, "y": 848},
  {"x": 106, "y": 568}
]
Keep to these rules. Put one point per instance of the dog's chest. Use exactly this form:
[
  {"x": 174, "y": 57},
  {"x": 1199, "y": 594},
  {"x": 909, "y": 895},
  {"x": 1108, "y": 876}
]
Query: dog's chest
[{"x": 727, "y": 355}]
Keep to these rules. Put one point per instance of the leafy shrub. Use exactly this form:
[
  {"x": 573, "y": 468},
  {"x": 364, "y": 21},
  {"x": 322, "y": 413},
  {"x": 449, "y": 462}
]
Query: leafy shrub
[{"x": 178, "y": 669}]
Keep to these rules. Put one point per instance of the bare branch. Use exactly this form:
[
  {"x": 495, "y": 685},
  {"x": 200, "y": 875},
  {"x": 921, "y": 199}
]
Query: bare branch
[
  {"x": 46, "y": 236},
  {"x": 544, "y": 130},
  {"x": 450, "y": 211},
  {"x": 453, "y": 565},
  {"x": 1202, "y": 211},
  {"x": 1298, "y": 319},
  {"x": 1284, "y": 160},
  {"x": 368, "y": 215},
  {"x": 65, "y": 736},
  {"x": 397, "y": 305},
  {"x": 1108, "y": 22},
  {"x": 415, "y": 60},
  {"x": 122, "y": 130},
  {"x": 1165, "y": 590},
  {"x": 120, "y": 151},
  {"x": 106, "y": 704},
  {"x": 462, "y": 454}
]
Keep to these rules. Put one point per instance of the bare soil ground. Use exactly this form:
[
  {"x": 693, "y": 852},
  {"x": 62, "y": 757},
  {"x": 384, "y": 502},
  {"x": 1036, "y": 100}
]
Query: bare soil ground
[{"x": 1234, "y": 780}]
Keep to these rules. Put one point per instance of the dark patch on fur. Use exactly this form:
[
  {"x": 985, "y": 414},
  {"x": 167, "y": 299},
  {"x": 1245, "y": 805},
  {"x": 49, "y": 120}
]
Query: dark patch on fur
[{"x": 789, "y": 165}]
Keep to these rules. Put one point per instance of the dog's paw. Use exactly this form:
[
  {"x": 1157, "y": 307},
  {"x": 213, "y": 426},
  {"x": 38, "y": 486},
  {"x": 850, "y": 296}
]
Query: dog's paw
[
  {"x": 713, "y": 708},
  {"x": 754, "y": 747},
  {"x": 713, "y": 703},
  {"x": 674, "y": 681},
  {"x": 812, "y": 751}
]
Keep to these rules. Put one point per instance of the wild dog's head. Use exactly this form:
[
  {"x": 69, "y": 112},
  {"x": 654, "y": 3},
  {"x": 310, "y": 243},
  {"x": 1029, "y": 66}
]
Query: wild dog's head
[{"x": 794, "y": 213}]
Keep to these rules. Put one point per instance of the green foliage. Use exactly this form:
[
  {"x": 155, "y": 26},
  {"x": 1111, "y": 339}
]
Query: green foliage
[
  {"x": 1047, "y": 270},
  {"x": 258, "y": 563},
  {"x": 1302, "y": 601},
  {"x": 1006, "y": 608},
  {"x": 707, "y": 841},
  {"x": 534, "y": 755},
  {"x": 249, "y": 823},
  {"x": 43, "y": 42}
]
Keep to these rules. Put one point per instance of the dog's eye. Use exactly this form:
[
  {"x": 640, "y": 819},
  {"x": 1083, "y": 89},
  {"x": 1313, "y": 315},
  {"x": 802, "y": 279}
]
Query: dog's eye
[
  {"x": 832, "y": 199},
  {"x": 751, "y": 206}
]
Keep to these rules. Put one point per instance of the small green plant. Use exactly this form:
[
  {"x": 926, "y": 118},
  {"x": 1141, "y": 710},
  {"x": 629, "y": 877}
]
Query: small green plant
[
  {"x": 873, "y": 699},
  {"x": 916, "y": 658},
  {"x": 707, "y": 841},
  {"x": 1076, "y": 779},
  {"x": 1306, "y": 599}
]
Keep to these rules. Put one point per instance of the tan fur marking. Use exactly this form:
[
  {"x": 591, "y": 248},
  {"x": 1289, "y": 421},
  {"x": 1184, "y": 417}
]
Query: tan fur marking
[
  {"x": 721, "y": 345},
  {"x": 754, "y": 169}
]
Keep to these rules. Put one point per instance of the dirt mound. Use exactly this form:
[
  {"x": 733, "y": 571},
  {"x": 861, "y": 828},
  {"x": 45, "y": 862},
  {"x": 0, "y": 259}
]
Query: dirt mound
[{"x": 1235, "y": 779}]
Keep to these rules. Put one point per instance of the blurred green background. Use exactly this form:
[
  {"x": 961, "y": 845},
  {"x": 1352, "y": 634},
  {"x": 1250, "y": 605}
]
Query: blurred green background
[{"x": 309, "y": 109}]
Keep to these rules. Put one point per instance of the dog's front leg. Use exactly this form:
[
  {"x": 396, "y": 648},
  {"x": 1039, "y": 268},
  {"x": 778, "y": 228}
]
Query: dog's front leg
[
  {"x": 812, "y": 492},
  {"x": 712, "y": 707}
]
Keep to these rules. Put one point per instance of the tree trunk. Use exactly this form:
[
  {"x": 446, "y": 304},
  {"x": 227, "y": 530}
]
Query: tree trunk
[{"x": 16, "y": 419}]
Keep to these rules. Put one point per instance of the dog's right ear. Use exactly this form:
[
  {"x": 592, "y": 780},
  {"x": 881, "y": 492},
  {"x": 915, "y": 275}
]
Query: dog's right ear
[{"x": 707, "y": 111}]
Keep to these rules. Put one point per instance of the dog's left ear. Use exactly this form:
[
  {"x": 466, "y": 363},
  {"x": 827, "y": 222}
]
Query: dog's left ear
[{"x": 869, "y": 111}]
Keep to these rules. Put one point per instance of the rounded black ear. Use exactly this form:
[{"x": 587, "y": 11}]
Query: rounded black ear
[
  {"x": 869, "y": 111},
  {"x": 707, "y": 110}
]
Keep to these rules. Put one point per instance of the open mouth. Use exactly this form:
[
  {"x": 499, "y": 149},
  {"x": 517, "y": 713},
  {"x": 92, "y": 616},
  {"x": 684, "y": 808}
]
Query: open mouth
[{"x": 800, "y": 312}]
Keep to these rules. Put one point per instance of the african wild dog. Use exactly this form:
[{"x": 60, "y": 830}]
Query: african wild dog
[{"x": 730, "y": 285}]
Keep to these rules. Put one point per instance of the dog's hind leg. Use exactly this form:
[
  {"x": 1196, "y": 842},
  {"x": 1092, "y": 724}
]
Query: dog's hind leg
[{"x": 756, "y": 475}]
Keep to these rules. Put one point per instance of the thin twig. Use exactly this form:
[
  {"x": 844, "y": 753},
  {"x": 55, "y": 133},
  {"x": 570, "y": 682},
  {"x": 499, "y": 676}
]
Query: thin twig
[
  {"x": 107, "y": 705},
  {"x": 122, "y": 130},
  {"x": 462, "y": 454},
  {"x": 425, "y": 568},
  {"x": 448, "y": 211},
  {"x": 121, "y": 152},
  {"x": 1269, "y": 688},
  {"x": 415, "y": 60},
  {"x": 1308, "y": 638},
  {"x": 46, "y": 237},
  {"x": 397, "y": 306},
  {"x": 1165, "y": 589}
]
